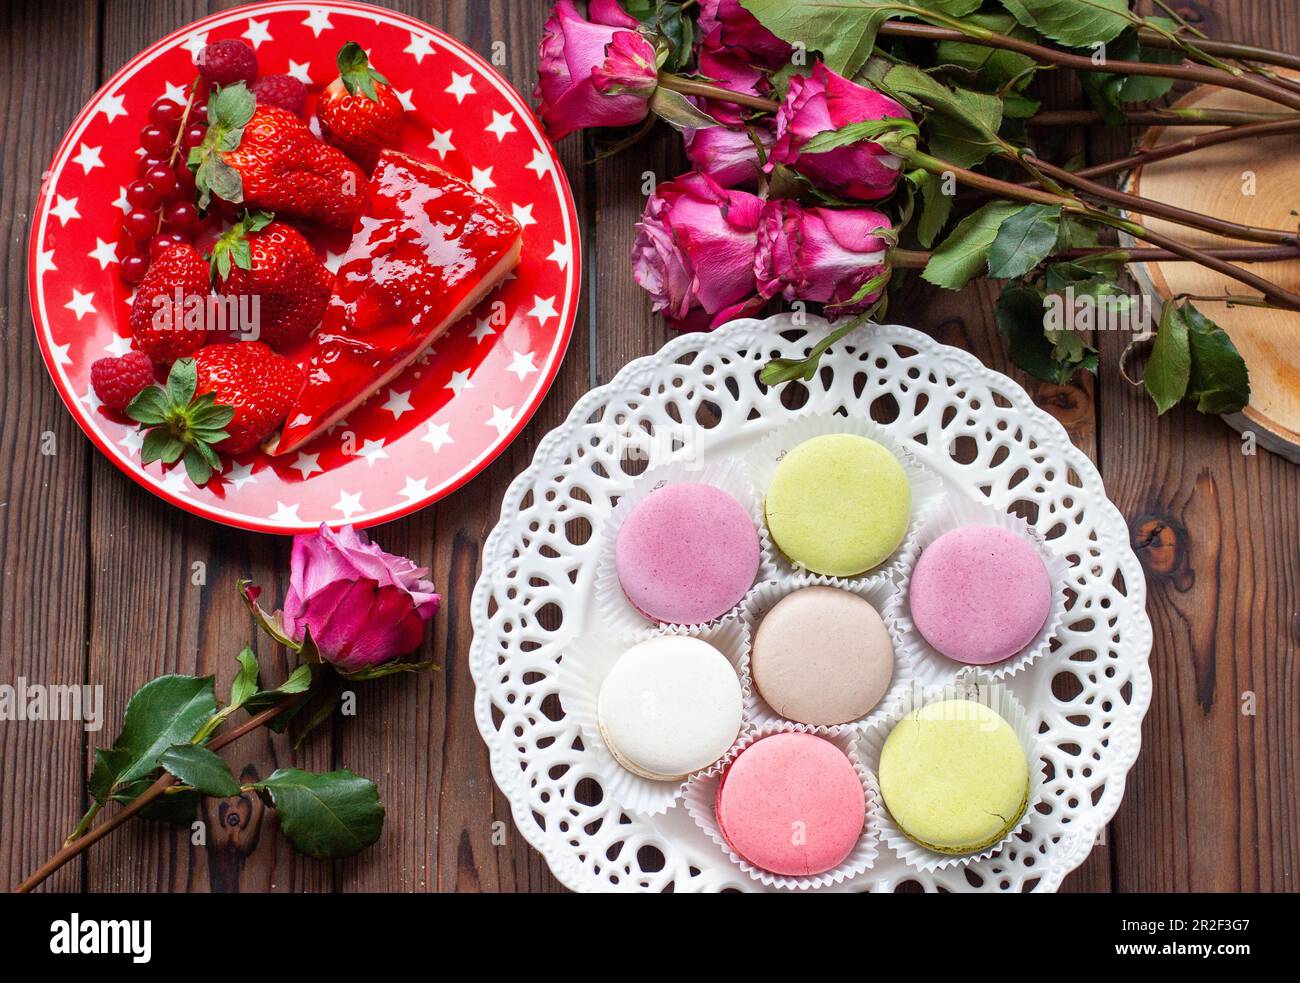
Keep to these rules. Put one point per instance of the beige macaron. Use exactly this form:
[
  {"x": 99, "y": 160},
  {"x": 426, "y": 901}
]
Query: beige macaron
[{"x": 822, "y": 655}]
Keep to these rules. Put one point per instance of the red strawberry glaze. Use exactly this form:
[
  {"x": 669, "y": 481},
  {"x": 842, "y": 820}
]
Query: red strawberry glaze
[{"x": 427, "y": 248}]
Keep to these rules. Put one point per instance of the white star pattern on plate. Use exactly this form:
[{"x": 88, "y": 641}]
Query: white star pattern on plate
[
  {"x": 44, "y": 261},
  {"x": 194, "y": 44},
  {"x": 405, "y": 99},
  {"x": 461, "y": 86},
  {"x": 240, "y": 475},
  {"x": 349, "y": 503},
  {"x": 502, "y": 123},
  {"x": 398, "y": 403},
  {"x": 118, "y": 347},
  {"x": 111, "y": 107},
  {"x": 438, "y": 436},
  {"x": 459, "y": 380},
  {"x": 372, "y": 451},
  {"x": 285, "y": 513},
  {"x": 318, "y": 20},
  {"x": 64, "y": 209},
  {"x": 174, "y": 480},
  {"x": 561, "y": 254},
  {"x": 442, "y": 143},
  {"x": 121, "y": 202},
  {"x": 332, "y": 261},
  {"x": 523, "y": 215},
  {"x": 257, "y": 33},
  {"x": 502, "y": 419},
  {"x": 521, "y": 364},
  {"x": 307, "y": 463},
  {"x": 419, "y": 47},
  {"x": 414, "y": 489},
  {"x": 132, "y": 440},
  {"x": 81, "y": 304},
  {"x": 482, "y": 329},
  {"x": 482, "y": 179},
  {"x": 90, "y": 399},
  {"x": 103, "y": 253},
  {"x": 540, "y": 164},
  {"x": 543, "y": 309},
  {"x": 176, "y": 93},
  {"x": 60, "y": 353},
  {"x": 300, "y": 70},
  {"x": 88, "y": 158}
]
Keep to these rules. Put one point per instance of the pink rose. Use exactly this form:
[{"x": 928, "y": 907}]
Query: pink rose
[
  {"x": 694, "y": 252},
  {"x": 731, "y": 70},
  {"x": 823, "y": 255},
  {"x": 593, "y": 73},
  {"x": 728, "y": 156},
  {"x": 737, "y": 28},
  {"x": 362, "y": 606},
  {"x": 826, "y": 101}
]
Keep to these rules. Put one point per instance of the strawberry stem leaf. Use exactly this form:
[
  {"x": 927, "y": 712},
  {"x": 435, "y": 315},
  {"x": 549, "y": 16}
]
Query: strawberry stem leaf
[
  {"x": 229, "y": 110},
  {"x": 356, "y": 73},
  {"x": 181, "y": 424}
]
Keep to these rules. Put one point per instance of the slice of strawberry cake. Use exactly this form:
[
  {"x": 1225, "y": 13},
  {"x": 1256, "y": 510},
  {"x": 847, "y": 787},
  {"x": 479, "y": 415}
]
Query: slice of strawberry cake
[{"x": 427, "y": 249}]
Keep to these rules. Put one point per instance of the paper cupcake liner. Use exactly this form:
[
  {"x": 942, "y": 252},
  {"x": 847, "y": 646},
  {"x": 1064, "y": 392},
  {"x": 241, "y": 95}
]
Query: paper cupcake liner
[
  {"x": 614, "y": 611},
  {"x": 877, "y": 592},
  {"x": 926, "y": 486},
  {"x": 701, "y": 799},
  {"x": 926, "y": 662},
  {"x": 582, "y": 670},
  {"x": 981, "y": 689}
]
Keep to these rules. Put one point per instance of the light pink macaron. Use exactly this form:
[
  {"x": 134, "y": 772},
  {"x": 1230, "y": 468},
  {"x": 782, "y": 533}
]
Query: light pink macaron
[
  {"x": 979, "y": 594},
  {"x": 792, "y": 803},
  {"x": 686, "y": 554}
]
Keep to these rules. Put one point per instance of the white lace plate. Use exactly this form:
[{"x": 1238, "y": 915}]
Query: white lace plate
[{"x": 699, "y": 399}]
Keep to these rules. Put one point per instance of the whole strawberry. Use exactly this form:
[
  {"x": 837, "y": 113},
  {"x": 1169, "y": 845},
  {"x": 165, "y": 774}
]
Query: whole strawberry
[
  {"x": 273, "y": 265},
  {"x": 226, "y": 398},
  {"x": 169, "y": 316},
  {"x": 265, "y": 157},
  {"x": 117, "y": 380},
  {"x": 358, "y": 112}
]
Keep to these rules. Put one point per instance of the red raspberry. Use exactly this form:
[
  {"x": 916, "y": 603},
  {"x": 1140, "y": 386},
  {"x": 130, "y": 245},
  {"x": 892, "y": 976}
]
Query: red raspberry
[
  {"x": 227, "y": 62},
  {"x": 117, "y": 380},
  {"x": 284, "y": 91}
]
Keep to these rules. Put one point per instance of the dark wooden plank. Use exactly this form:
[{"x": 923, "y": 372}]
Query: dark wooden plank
[
  {"x": 44, "y": 496},
  {"x": 1211, "y": 804},
  {"x": 150, "y": 617}
]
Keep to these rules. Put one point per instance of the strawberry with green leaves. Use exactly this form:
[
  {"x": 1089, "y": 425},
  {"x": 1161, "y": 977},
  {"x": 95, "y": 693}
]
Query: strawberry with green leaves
[
  {"x": 272, "y": 262},
  {"x": 265, "y": 157},
  {"x": 227, "y": 398},
  {"x": 358, "y": 112}
]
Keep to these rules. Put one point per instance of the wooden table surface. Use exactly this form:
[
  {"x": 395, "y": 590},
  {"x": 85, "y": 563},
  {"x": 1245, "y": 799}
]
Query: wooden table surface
[{"x": 97, "y": 584}]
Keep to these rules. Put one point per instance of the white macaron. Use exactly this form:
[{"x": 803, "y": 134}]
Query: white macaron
[{"x": 669, "y": 707}]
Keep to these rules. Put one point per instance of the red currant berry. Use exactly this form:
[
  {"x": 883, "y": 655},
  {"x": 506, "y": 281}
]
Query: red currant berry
[
  {"x": 165, "y": 113},
  {"x": 155, "y": 140},
  {"x": 159, "y": 244},
  {"x": 148, "y": 161},
  {"x": 194, "y": 134},
  {"x": 139, "y": 224},
  {"x": 198, "y": 113},
  {"x": 161, "y": 179},
  {"x": 180, "y": 215},
  {"x": 134, "y": 267},
  {"x": 140, "y": 195}
]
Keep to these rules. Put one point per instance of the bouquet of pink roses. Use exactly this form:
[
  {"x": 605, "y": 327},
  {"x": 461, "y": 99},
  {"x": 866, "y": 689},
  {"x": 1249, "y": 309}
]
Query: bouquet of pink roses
[{"x": 829, "y": 142}]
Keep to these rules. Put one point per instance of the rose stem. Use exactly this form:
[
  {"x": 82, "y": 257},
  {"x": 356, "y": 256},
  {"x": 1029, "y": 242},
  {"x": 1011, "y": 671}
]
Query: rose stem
[
  {"x": 1016, "y": 192},
  {"x": 973, "y": 34},
  {"x": 706, "y": 90},
  {"x": 155, "y": 790},
  {"x": 1226, "y": 49},
  {"x": 1198, "y": 142},
  {"x": 1157, "y": 117},
  {"x": 916, "y": 259}
]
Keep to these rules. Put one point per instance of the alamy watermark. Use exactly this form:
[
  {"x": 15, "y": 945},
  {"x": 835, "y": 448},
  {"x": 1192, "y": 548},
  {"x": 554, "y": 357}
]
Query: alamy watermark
[{"x": 21, "y": 700}]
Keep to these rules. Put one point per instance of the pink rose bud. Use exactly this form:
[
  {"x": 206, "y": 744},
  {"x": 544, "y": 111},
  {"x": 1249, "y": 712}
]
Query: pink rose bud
[
  {"x": 823, "y": 255},
  {"x": 593, "y": 73},
  {"x": 732, "y": 70},
  {"x": 694, "y": 252},
  {"x": 737, "y": 28},
  {"x": 825, "y": 101},
  {"x": 728, "y": 156},
  {"x": 362, "y": 606}
]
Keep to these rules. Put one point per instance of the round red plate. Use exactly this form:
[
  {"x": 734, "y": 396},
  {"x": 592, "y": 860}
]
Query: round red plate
[{"x": 451, "y": 413}]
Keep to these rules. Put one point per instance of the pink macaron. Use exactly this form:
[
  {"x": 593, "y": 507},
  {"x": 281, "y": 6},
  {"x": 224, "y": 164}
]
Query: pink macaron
[
  {"x": 979, "y": 594},
  {"x": 792, "y": 803},
  {"x": 686, "y": 554}
]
